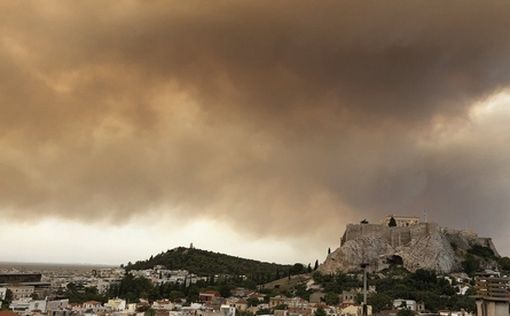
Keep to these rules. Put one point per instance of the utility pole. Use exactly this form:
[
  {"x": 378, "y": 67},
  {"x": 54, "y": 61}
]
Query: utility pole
[{"x": 364, "y": 265}]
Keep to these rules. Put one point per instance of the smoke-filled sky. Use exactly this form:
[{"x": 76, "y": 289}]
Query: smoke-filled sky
[{"x": 256, "y": 128}]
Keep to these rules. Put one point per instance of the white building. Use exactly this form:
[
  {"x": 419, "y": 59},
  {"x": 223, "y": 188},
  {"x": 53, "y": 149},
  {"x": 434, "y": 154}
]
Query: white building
[
  {"x": 462, "y": 289},
  {"x": 455, "y": 313},
  {"x": 57, "y": 305},
  {"x": 29, "y": 305},
  {"x": 163, "y": 305},
  {"x": 408, "y": 304},
  {"x": 227, "y": 310},
  {"x": 20, "y": 305},
  {"x": 102, "y": 285},
  {"x": 38, "y": 305},
  {"x": 21, "y": 291},
  {"x": 3, "y": 293},
  {"x": 355, "y": 310},
  {"x": 116, "y": 304},
  {"x": 91, "y": 306}
]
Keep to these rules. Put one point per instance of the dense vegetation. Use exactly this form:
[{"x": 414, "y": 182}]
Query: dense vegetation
[
  {"x": 482, "y": 252},
  {"x": 423, "y": 286},
  {"x": 133, "y": 288},
  {"x": 208, "y": 263},
  {"x": 79, "y": 294},
  {"x": 477, "y": 256},
  {"x": 336, "y": 283},
  {"x": 504, "y": 264}
]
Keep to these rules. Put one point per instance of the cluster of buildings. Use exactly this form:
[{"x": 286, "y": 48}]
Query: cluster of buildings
[
  {"x": 40, "y": 293},
  {"x": 30, "y": 306},
  {"x": 493, "y": 294},
  {"x": 34, "y": 294},
  {"x": 37, "y": 294},
  {"x": 24, "y": 285},
  {"x": 160, "y": 275},
  {"x": 100, "y": 278},
  {"x": 253, "y": 302},
  {"x": 62, "y": 307},
  {"x": 31, "y": 296},
  {"x": 256, "y": 303}
]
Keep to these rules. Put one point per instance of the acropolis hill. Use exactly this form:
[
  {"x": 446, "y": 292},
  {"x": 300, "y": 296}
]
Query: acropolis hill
[{"x": 411, "y": 243}]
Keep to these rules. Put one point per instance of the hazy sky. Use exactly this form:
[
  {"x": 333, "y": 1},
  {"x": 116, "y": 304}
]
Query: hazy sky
[{"x": 256, "y": 128}]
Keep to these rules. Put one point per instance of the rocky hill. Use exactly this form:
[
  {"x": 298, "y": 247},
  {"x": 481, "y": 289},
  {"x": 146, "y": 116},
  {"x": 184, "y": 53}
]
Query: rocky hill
[{"x": 416, "y": 246}]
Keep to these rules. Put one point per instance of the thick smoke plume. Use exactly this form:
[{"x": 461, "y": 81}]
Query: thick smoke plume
[{"x": 283, "y": 117}]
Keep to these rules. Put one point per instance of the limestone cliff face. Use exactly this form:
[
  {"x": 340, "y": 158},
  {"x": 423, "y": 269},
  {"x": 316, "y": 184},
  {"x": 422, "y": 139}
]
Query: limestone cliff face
[{"x": 424, "y": 245}]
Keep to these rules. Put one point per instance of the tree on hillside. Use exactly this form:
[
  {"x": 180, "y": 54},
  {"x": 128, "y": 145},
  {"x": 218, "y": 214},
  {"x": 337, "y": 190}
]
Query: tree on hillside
[
  {"x": 378, "y": 301},
  {"x": 392, "y": 222},
  {"x": 405, "y": 312},
  {"x": 302, "y": 292},
  {"x": 482, "y": 252},
  {"x": 281, "y": 307},
  {"x": 133, "y": 288},
  {"x": 267, "y": 311},
  {"x": 319, "y": 312},
  {"x": 329, "y": 251},
  {"x": 470, "y": 264},
  {"x": 309, "y": 268},
  {"x": 466, "y": 302},
  {"x": 504, "y": 263},
  {"x": 174, "y": 295},
  {"x": 225, "y": 290},
  {"x": 253, "y": 301},
  {"x": 316, "y": 266},
  {"x": 331, "y": 298},
  {"x": 297, "y": 268}
]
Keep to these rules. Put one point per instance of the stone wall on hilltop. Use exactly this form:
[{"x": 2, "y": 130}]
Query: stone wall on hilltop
[{"x": 423, "y": 245}]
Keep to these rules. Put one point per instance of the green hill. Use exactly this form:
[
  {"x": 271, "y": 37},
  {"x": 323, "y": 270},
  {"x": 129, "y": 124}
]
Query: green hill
[{"x": 207, "y": 263}]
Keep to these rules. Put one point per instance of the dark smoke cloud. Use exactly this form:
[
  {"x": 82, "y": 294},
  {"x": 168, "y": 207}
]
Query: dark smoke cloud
[{"x": 282, "y": 117}]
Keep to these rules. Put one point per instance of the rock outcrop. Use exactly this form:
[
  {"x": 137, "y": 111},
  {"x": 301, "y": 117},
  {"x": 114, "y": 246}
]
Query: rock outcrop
[{"x": 423, "y": 245}]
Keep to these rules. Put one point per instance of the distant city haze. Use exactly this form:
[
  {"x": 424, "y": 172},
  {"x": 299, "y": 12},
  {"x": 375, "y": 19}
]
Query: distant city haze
[{"x": 254, "y": 128}]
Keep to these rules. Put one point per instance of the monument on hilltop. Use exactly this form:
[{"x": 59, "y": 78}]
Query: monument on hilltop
[{"x": 407, "y": 242}]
